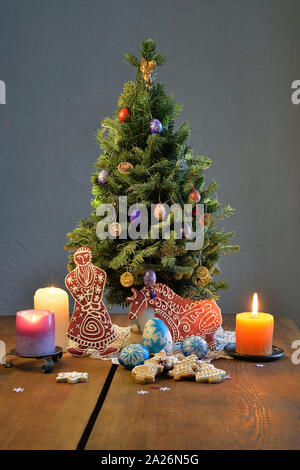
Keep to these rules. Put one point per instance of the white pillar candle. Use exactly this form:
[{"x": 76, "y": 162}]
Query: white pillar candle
[{"x": 56, "y": 300}]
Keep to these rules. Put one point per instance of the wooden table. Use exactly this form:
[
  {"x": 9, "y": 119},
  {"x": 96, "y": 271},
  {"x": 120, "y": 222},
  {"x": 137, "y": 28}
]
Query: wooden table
[{"x": 258, "y": 408}]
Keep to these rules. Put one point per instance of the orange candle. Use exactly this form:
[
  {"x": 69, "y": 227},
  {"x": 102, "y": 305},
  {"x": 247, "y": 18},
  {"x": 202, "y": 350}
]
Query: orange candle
[{"x": 254, "y": 332}]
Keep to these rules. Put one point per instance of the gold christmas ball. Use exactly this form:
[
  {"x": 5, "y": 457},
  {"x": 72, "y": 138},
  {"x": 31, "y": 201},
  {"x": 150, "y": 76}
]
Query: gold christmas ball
[
  {"x": 126, "y": 279},
  {"x": 203, "y": 272},
  {"x": 124, "y": 167}
]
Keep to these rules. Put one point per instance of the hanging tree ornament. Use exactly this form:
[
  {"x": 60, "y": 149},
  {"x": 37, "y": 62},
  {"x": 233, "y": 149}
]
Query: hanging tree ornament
[
  {"x": 126, "y": 279},
  {"x": 182, "y": 165},
  {"x": 103, "y": 177},
  {"x": 196, "y": 210},
  {"x": 125, "y": 167},
  {"x": 160, "y": 211},
  {"x": 202, "y": 272},
  {"x": 155, "y": 126},
  {"x": 146, "y": 69},
  {"x": 150, "y": 278},
  {"x": 135, "y": 216},
  {"x": 124, "y": 114},
  {"x": 195, "y": 195},
  {"x": 203, "y": 276},
  {"x": 115, "y": 229},
  {"x": 186, "y": 230}
]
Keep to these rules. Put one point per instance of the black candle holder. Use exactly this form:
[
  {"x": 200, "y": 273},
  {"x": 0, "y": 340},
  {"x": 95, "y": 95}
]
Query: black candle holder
[
  {"x": 49, "y": 359},
  {"x": 277, "y": 353}
]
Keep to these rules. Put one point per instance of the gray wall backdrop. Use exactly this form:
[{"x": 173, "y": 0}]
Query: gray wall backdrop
[{"x": 230, "y": 62}]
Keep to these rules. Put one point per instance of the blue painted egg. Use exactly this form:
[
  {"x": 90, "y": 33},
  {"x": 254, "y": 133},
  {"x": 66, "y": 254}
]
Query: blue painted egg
[
  {"x": 157, "y": 336},
  {"x": 194, "y": 345},
  {"x": 155, "y": 126},
  {"x": 133, "y": 355}
]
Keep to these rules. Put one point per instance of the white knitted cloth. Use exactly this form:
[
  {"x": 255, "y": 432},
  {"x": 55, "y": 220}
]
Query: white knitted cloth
[{"x": 223, "y": 337}]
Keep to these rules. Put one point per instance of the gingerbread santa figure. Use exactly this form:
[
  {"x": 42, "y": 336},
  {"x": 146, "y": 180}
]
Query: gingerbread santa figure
[{"x": 90, "y": 326}]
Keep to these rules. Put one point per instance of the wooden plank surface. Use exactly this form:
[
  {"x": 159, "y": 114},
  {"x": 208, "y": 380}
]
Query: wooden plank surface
[
  {"x": 46, "y": 415},
  {"x": 258, "y": 408}
]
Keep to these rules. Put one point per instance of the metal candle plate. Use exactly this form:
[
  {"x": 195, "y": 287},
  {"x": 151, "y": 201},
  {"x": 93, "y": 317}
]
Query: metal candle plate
[
  {"x": 49, "y": 359},
  {"x": 277, "y": 353}
]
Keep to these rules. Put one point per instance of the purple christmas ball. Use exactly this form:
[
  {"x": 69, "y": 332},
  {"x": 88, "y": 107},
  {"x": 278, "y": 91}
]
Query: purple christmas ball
[
  {"x": 155, "y": 126},
  {"x": 103, "y": 177},
  {"x": 150, "y": 278},
  {"x": 135, "y": 216}
]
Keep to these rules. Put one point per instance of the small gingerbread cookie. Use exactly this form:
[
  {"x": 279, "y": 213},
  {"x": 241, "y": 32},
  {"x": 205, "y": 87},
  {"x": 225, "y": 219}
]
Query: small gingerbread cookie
[
  {"x": 209, "y": 373},
  {"x": 72, "y": 377},
  {"x": 185, "y": 369},
  {"x": 147, "y": 372},
  {"x": 163, "y": 358}
]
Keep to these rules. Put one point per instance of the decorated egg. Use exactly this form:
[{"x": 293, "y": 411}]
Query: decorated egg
[
  {"x": 149, "y": 278},
  {"x": 124, "y": 114},
  {"x": 186, "y": 230},
  {"x": 195, "y": 195},
  {"x": 133, "y": 355},
  {"x": 126, "y": 279},
  {"x": 182, "y": 164},
  {"x": 194, "y": 345},
  {"x": 103, "y": 177},
  {"x": 157, "y": 336},
  {"x": 155, "y": 126},
  {"x": 160, "y": 211},
  {"x": 135, "y": 216}
]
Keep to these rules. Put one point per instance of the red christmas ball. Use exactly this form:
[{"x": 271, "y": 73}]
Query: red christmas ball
[
  {"x": 124, "y": 114},
  {"x": 195, "y": 195}
]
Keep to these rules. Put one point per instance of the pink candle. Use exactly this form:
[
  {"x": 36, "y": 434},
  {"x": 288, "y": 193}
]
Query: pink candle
[{"x": 35, "y": 332}]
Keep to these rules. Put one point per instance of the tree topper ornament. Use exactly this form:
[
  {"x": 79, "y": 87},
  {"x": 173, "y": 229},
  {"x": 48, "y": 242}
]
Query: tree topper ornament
[
  {"x": 90, "y": 325},
  {"x": 146, "y": 69}
]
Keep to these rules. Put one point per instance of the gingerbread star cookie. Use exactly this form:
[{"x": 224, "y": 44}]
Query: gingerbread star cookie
[{"x": 72, "y": 377}]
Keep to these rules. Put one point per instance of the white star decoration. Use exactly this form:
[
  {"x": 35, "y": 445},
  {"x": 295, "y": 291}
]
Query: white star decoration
[
  {"x": 164, "y": 389},
  {"x": 19, "y": 389},
  {"x": 141, "y": 392}
]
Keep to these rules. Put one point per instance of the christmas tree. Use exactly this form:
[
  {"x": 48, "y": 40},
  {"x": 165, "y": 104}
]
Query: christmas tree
[{"x": 146, "y": 158}]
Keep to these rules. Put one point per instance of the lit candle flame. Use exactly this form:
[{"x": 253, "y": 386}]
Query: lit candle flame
[
  {"x": 254, "y": 305},
  {"x": 33, "y": 317}
]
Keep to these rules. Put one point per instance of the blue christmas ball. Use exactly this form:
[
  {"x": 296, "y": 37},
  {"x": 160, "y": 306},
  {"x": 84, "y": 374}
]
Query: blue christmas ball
[
  {"x": 150, "y": 278},
  {"x": 103, "y": 177},
  {"x": 135, "y": 216},
  {"x": 133, "y": 355},
  {"x": 155, "y": 126},
  {"x": 194, "y": 345}
]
